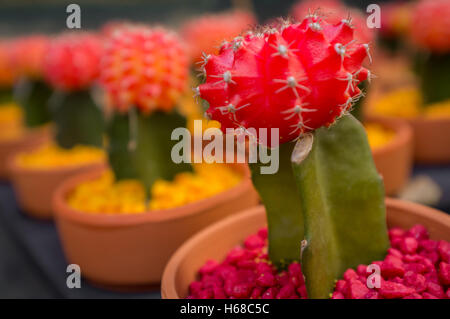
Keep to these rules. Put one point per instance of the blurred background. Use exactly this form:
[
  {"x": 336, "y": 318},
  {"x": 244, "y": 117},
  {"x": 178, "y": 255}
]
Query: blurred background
[{"x": 22, "y": 16}]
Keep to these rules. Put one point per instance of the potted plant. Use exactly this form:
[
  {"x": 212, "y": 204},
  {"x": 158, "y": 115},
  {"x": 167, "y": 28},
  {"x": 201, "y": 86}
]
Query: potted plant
[
  {"x": 390, "y": 139},
  {"x": 18, "y": 130},
  {"x": 425, "y": 107},
  {"x": 70, "y": 67},
  {"x": 121, "y": 225},
  {"x": 325, "y": 205}
]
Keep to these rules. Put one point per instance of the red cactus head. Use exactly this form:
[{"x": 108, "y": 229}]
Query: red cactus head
[
  {"x": 7, "y": 72},
  {"x": 72, "y": 61},
  {"x": 28, "y": 55},
  {"x": 297, "y": 78},
  {"x": 144, "y": 67},
  {"x": 430, "y": 25},
  {"x": 333, "y": 12},
  {"x": 206, "y": 33}
]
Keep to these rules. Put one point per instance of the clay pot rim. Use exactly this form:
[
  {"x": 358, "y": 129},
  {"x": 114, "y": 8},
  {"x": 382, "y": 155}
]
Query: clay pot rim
[
  {"x": 413, "y": 120},
  {"x": 168, "y": 282},
  {"x": 26, "y": 134},
  {"x": 403, "y": 134},
  {"x": 63, "y": 210}
]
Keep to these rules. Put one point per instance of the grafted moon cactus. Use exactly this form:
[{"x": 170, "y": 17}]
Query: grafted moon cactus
[
  {"x": 71, "y": 67},
  {"x": 144, "y": 67},
  {"x": 430, "y": 31},
  {"x": 325, "y": 205},
  {"x": 33, "y": 93},
  {"x": 298, "y": 78},
  {"x": 144, "y": 71}
]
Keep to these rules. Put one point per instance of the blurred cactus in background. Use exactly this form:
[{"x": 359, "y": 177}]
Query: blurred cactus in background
[
  {"x": 7, "y": 73},
  {"x": 33, "y": 93},
  {"x": 144, "y": 72},
  {"x": 71, "y": 66},
  {"x": 430, "y": 31},
  {"x": 205, "y": 34}
]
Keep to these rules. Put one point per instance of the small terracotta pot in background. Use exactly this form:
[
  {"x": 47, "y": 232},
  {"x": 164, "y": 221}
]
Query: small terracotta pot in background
[
  {"x": 132, "y": 250},
  {"x": 431, "y": 135},
  {"x": 394, "y": 160},
  {"x": 217, "y": 240},
  {"x": 431, "y": 140},
  {"x": 9, "y": 147},
  {"x": 34, "y": 187}
]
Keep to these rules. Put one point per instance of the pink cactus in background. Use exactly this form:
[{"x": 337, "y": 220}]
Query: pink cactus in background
[
  {"x": 144, "y": 67},
  {"x": 296, "y": 78},
  {"x": 430, "y": 25},
  {"x": 7, "y": 72},
  {"x": 72, "y": 62},
  {"x": 395, "y": 18},
  {"x": 205, "y": 34},
  {"x": 28, "y": 54}
]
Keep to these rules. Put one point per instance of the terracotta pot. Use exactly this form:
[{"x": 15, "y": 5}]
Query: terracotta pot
[
  {"x": 394, "y": 160},
  {"x": 9, "y": 147},
  {"x": 218, "y": 239},
  {"x": 132, "y": 250},
  {"x": 431, "y": 136},
  {"x": 34, "y": 188},
  {"x": 431, "y": 140}
]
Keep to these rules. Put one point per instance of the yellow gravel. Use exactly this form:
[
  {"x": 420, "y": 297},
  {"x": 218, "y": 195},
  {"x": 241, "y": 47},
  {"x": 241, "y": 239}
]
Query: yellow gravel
[
  {"x": 51, "y": 156},
  {"x": 407, "y": 103},
  {"x": 106, "y": 196},
  {"x": 378, "y": 135},
  {"x": 11, "y": 116}
]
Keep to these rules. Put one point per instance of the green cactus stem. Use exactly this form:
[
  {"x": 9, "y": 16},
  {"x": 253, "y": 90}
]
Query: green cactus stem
[
  {"x": 33, "y": 96},
  {"x": 140, "y": 146},
  {"x": 342, "y": 200},
  {"x": 119, "y": 147},
  {"x": 279, "y": 195},
  {"x": 433, "y": 71},
  {"x": 78, "y": 120},
  {"x": 6, "y": 96}
]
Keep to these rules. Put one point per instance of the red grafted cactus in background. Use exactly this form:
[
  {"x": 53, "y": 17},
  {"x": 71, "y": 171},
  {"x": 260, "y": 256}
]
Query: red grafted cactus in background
[
  {"x": 7, "y": 73},
  {"x": 395, "y": 19},
  {"x": 333, "y": 11},
  {"x": 206, "y": 33},
  {"x": 72, "y": 61},
  {"x": 430, "y": 25},
  {"x": 28, "y": 54},
  {"x": 296, "y": 78},
  {"x": 144, "y": 67}
]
